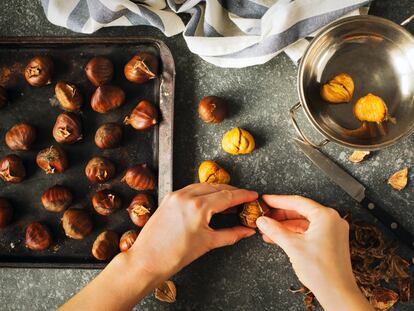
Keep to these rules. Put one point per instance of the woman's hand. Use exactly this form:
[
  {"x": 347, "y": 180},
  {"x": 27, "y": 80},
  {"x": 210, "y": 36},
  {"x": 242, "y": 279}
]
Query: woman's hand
[{"x": 316, "y": 239}]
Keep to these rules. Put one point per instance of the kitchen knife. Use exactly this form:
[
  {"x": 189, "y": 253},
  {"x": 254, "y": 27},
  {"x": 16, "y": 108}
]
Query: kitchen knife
[{"x": 355, "y": 189}]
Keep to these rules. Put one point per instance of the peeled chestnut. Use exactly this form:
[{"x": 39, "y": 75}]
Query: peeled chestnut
[
  {"x": 68, "y": 96},
  {"x": 6, "y": 213},
  {"x": 4, "y": 99},
  {"x": 20, "y": 137},
  {"x": 108, "y": 136},
  {"x": 39, "y": 71},
  {"x": 37, "y": 237},
  {"x": 140, "y": 209},
  {"x": 106, "y": 202},
  {"x": 57, "y": 198},
  {"x": 99, "y": 70},
  {"x": 52, "y": 160},
  {"x": 67, "y": 129},
  {"x": 12, "y": 169},
  {"x": 107, "y": 98},
  {"x": 144, "y": 116},
  {"x": 141, "y": 68},
  {"x": 76, "y": 223},
  {"x": 251, "y": 211},
  {"x": 212, "y": 109},
  {"x": 127, "y": 240},
  {"x": 99, "y": 170},
  {"x": 106, "y": 245},
  {"x": 139, "y": 177}
]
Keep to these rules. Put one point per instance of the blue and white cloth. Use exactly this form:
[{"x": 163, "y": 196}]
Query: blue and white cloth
[{"x": 227, "y": 33}]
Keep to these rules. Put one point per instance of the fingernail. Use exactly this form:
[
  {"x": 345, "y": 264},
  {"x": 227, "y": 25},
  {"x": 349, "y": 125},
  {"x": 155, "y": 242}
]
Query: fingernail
[{"x": 262, "y": 221}]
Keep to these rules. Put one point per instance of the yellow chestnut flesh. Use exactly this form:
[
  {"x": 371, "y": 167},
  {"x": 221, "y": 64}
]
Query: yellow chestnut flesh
[
  {"x": 339, "y": 89},
  {"x": 238, "y": 141},
  {"x": 370, "y": 108},
  {"x": 210, "y": 172}
]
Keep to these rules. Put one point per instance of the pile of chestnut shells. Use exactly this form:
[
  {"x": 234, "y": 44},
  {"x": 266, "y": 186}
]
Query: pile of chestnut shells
[{"x": 67, "y": 130}]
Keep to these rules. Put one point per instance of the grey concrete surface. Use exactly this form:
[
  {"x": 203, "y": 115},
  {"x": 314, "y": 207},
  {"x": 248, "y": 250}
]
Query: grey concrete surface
[{"x": 251, "y": 275}]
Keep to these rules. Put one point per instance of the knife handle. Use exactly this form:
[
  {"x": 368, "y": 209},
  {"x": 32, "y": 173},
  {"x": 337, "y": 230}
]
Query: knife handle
[{"x": 389, "y": 221}]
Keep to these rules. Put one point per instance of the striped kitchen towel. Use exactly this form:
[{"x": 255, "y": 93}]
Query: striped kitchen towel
[{"x": 227, "y": 33}]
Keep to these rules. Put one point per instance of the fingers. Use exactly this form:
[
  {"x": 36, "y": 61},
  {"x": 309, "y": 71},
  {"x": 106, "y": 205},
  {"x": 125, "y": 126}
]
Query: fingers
[
  {"x": 296, "y": 225},
  {"x": 267, "y": 239},
  {"x": 230, "y": 236},
  {"x": 222, "y": 200},
  {"x": 277, "y": 233},
  {"x": 283, "y": 214},
  {"x": 204, "y": 189}
]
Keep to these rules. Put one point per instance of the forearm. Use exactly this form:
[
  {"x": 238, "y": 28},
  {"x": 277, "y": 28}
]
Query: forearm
[{"x": 119, "y": 287}]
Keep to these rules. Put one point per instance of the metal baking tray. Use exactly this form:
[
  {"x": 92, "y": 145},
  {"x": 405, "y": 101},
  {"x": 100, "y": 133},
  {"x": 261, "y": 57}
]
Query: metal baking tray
[{"x": 38, "y": 106}]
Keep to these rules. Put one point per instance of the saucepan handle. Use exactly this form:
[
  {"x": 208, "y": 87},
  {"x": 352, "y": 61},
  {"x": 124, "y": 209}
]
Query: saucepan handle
[
  {"x": 299, "y": 131},
  {"x": 405, "y": 22}
]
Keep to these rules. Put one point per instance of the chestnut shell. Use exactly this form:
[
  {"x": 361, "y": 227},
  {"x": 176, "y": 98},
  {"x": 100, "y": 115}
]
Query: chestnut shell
[
  {"x": 57, "y": 198},
  {"x": 127, "y": 240},
  {"x": 37, "y": 237},
  {"x": 52, "y": 160},
  {"x": 12, "y": 169},
  {"x": 212, "y": 109},
  {"x": 39, "y": 70},
  {"x": 99, "y": 170},
  {"x": 4, "y": 99},
  {"x": 76, "y": 223},
  {"x": 140, "y": 209},
  {"x": 106, "y": 202},
  {"x": 107, "y": 98},
  {"x": 20, "y": 137},
  {"x": 67, "y": 129},
  {"x": 106, "y": 245},
  {"x": 144, "y": 116},
  {"x": 141, "y": 68},
  {"x": 99, "y": 70},
  {"x": 139, "y": 177},
  {"x": 108, "y": 136},
  {"x": 68, "y": 95},
  {"x": 6, "y": 212}
]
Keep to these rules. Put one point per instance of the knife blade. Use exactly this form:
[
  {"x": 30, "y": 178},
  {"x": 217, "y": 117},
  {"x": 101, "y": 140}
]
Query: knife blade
[{"x": 355, "y": 189}]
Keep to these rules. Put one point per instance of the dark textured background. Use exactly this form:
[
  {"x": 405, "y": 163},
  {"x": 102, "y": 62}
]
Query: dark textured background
[{"x": 251, "y": 275}]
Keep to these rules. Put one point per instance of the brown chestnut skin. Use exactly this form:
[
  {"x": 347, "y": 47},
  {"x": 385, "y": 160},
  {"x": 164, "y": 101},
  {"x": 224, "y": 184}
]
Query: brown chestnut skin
[
  {"x": 57, "y": 198},
  {"x": 106, "y": 245},
  {"x": 106, "y": 202},
  {"x": 76, "y": 223},
  {"x": 141, "y": 68},
  {"x": 52, "y": 160},
  {"x": 108, "y": 136},
  {"x": 140, "y": 209},
  {"x": 107, "y": 98},
  {"x": 68, "y": 95},
  {"x": 127, "y": 240},
  {"x": 39, "y": 71},
  {"x": 38, "y": 237},
  {"x": 6, "y": 213},
  {"x": 212, "y": 109},
  {"x": 67, "y": 129},
  {"x": 99, "y": 170},
  {"x": 144, "y": 116},
  {"x": 12, "y": 169},
  {"x": 99, "y": 70},
  {"x": 20, "y": 137},
  {"x": 4, "y": 99},
  {"x": 139, "y": 177}
]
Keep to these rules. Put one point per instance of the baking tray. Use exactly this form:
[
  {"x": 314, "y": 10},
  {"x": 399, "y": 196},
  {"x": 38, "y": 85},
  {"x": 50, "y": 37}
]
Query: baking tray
[{"x": 39, "y": 107}]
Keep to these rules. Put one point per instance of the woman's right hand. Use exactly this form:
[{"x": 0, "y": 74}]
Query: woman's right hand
[{"x": 316, "y": 239}]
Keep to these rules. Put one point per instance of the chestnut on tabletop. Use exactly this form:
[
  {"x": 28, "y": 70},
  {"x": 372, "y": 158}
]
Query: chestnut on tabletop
[
  {"x": 12, "y": 169},
  {"x": 99, "y": 70},
  {"x": 76, "y": 223},
  {"x": 212, "y": 109},
  {"x": 6, "y": 212},
  {"x": 139, "y": 177},
  {"x": 37, "y": 237},
  {"x": 39, "y": 71},
  {"x": 67, "y": 129},
  {"x": 144, "y": 116},
  {"x": 108, "y": 136},
  {"x": 68, "y": 95},
  {"x": 141, "y": 68},
  {"x": 20, "y": 137},
  {"x": 127, "y": 240},
  {"x": 99, "y": 170},
  {"x": 140, "y": 209},
  {"x": 106, "y": 202},
  {"x": 4, "y": 99},
  {"x": 57, "y": 198},
  {"x": 107, "y": 98},
  {"x": 106, "y": 245},
  {"x": 52, "y": 160},
  {"x": 238, "y": 141}
]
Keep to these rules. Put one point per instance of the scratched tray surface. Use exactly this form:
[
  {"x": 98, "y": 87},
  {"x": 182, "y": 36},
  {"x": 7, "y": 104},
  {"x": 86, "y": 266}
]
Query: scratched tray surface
[{"x": 39, "y": 107}]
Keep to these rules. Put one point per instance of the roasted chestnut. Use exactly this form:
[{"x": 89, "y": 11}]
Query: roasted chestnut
[
  {"x": 12, "y": 169},
  {"x": 107, "y": 98},
  {"x": 52, "y": 160},
  {"x": 99, "y": 170},
  {"x": 68, "y": 96},
  {"x": 140, "y": 209},
  {"x": 108, "y": 136},
  {"x": 127, "y": 240},
  {"x": 251, "y": 211},
  {"x": 106, "y": 245},
  {"x": 20, "y": 137},
  {"x": 57, "y": 198},
  {"x": 37, "y": 237},
  {"x": 141, "y": 68},
  {"x": 106, "y": 202},
  {"x": 67, "y": 129},
  {"x": 212, "y": 109},
  {"x": 6, "y": 213},
  {"x": 144, "y": 116},
  {"x": 39, "y": 71},
  {"x": 139, "y": 177},
  {"x": 4, "y": 99},
  {"x": 76, "y": 223},
  {"x": 99, "y": 70}
]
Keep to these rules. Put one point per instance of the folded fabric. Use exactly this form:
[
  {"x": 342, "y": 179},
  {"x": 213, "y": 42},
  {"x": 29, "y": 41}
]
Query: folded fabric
[{"x": 229, "y": 33}]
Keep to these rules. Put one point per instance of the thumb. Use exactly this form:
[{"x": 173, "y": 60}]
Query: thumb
[
  {"x": 276, "y": 232},
  {"x": 230, "y": 236}
]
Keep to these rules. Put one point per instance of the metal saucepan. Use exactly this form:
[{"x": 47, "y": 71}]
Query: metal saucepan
[{"x": 379, "y": 55}]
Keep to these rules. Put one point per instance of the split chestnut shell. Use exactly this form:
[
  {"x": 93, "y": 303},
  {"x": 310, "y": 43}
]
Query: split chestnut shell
[
  {"x": 144, "y": 116},
  {"x": 67, "y": 129},
  {"x": 99, "y": 170},
  {"x": 12, "y": 169},
  {"x": 140, "y": 209},
  {"x": 52, "y": 160}
]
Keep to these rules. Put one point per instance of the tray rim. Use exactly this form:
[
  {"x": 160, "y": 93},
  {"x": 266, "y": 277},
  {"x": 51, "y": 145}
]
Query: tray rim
[{"x": 165, "y": 128}]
